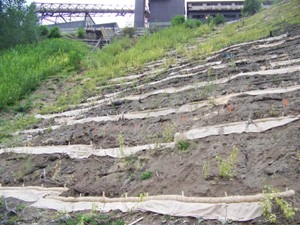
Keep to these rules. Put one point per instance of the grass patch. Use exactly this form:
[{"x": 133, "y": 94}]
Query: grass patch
[
  {"x": 130, "y": 55},
  {"x": 146, "y": 175},
  {"x": 226, "y": 166},
  {"x": 183, "y": 145},
  {"x": 7, "y": 127},
  {"x": 23, "y": 68}
]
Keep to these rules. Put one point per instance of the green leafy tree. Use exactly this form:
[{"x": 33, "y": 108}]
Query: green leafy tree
[
  {"x": 251, "y": 7},
  {"x": 18, "y": 23}
]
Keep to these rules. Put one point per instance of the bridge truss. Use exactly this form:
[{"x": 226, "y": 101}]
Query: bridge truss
[{"x": 66, "y": 11}]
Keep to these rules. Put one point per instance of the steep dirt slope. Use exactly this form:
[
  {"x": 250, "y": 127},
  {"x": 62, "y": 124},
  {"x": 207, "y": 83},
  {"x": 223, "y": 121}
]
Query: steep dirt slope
[{"x": 227, "y": 97}]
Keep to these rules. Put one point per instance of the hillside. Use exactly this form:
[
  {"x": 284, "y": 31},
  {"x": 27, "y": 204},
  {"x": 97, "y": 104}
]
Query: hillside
[{"x": 165, "y": 128}]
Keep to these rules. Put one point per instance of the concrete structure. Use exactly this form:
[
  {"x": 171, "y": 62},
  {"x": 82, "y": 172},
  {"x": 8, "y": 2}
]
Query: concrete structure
[
  {"x": 139, "y": 13},
  {"x": 200, "y": 9},
  {"x": 72, "y": 27},
  {"x": 162, "y": 11},
  {"x": 230, "y": 9},
  {"x": 105, "y": 31}
]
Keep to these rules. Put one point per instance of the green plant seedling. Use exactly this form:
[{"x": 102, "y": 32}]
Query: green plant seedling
[
  {"x": 206, "y": 169},
  {"x": 146, "y": 175},
  {"x": 226, "y": 166},
  {"x": 121, "y": 142},
  {"x": 271, "y": 198},
  {"x": 183, "y": 145}
]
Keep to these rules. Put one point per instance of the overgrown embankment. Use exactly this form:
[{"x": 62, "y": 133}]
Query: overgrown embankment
[
  {"x": 24, "y": 67},
  {"x": 196, "y": 121}
]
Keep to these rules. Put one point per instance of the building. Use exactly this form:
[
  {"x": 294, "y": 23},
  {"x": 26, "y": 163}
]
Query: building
[
  {"x": 104, "y": 31},
  {"x": 230, "y": 9},
  {"x": 139, "y": 13},
  {"x": 72, "y": 27},
  {"x": 162, "y": 11},
  {"x": 201, "y": 9},
  {"x": 157, "y": 12}
]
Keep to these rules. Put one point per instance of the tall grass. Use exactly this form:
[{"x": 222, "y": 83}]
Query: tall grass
[
  {"x": 129, "y": 55},
  {"x": 274, "y": 19},
  {"x": 24, "y": 67}
]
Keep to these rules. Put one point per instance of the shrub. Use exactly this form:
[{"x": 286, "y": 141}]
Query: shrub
[
  {"x": 146, "y": 175},
  {"x": 219, "y": 19},
  {"x": 251, "y": 7},
  {"x": 54, "y": 32},
  {"x": 129, "y": 31},
  {"x": 209, "y": 19},
  {"x": 177, "y": 20},
  {"x": 192, "y": 23},
  {"x": 43, "y": 31},
  {"x": 81, "y": 32}
]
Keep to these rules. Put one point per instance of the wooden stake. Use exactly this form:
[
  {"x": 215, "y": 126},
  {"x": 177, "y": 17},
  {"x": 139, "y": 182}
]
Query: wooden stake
[{"x": 138, "y": 220}]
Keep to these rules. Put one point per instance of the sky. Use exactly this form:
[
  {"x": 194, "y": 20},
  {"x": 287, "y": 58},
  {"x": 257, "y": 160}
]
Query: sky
[{"x": 122, "y": 21}]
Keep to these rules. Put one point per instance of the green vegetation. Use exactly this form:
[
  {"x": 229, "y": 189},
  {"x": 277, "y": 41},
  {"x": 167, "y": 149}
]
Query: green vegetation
[
  {"x": 192, "y": 23},
  {"x": 146, "y": 175},
  {"x": 91, "y": 219},
  {"x": 24, "y": 67},
  {"x": 183, "y": 145},
  {"x": 2, "y": 204},
  {"x": 43, "y": 31},
  {"x": 168, "y": 133},
  {"x": 129, "y": 55},
  {"x": 251, "y": 7},
  {"x": 19, "y": 122},
  {"x": 121, "y": 143},
  {"x": 129, "y": 32},
  {"x": 189, "y": 23},
  {"x": 251, "y": 28},
  {"x": 54, "y": 32},
  {"x": 271, "y": 199},
  {"x": 218, "y": 19},
  {"x": 226, "y": 166},
  {"x": 81, "y": 32},
  {"x": 206, "y": 169},
  {"x": 177, "y": 20},
  {"x": 18, "y": 23}
]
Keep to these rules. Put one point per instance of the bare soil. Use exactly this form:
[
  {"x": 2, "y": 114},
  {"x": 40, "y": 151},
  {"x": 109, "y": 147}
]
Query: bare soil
[{"x": 268, "y": 158}]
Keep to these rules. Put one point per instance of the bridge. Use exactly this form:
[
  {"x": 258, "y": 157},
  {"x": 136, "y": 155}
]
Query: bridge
[{"x": 63, "y": 10}]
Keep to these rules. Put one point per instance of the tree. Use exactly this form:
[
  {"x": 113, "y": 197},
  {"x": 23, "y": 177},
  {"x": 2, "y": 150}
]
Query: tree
[
  {"x": 18, "y": 23},
  {"x": 251, "y": 7}
]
